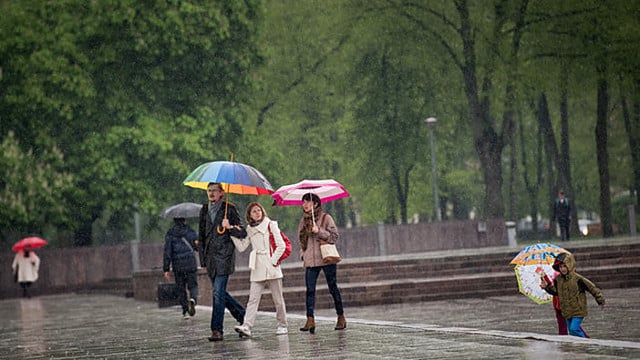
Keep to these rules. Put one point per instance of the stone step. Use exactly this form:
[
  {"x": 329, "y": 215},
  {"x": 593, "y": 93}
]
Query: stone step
[
  {"x": 466, "y": 273},
  {"x": 448, "y": 266},
  {"x": 436, "y": 288}
]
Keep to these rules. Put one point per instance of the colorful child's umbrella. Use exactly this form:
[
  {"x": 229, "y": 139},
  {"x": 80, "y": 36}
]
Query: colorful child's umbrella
[
  {"x": 529, "y": 278},
  {"x": 537, "y": 254}
]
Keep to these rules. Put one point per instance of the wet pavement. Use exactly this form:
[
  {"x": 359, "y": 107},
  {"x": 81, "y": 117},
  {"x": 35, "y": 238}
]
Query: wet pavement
[{"x": 510, "y": 327}]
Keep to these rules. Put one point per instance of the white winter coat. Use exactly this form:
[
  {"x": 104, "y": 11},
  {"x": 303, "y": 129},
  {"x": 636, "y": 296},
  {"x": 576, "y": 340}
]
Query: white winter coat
[
  {"x": 27, "y": 266},
  {"x": 261, "y": 262}
]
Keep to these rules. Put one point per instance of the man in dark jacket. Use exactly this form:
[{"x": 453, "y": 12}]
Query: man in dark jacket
[
  {"x": 219, "y": 220},
  {"x": 179, "y": 253},
  {"x": 562, "y": 214}
]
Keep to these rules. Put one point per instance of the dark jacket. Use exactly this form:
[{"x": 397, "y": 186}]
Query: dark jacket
[
  {"x": 177, "y": 254},
  {"x": 571, "y": 289},
  {"x": 562, "y": 210},
  {"x": 219, "y": 255}
]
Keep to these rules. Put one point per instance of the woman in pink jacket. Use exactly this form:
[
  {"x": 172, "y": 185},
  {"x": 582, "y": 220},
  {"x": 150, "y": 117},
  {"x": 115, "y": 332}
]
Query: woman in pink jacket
[{"x": 315, "y": 227}]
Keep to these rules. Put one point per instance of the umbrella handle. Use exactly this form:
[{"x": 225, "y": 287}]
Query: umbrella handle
[{"x": 220, "y": 229}]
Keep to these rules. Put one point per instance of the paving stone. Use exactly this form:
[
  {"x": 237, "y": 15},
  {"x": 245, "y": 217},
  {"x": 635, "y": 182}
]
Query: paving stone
[{"x": 89, "y": 326}]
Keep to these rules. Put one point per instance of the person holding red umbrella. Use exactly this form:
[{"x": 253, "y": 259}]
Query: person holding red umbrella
[{"x": 25, "y": 267}]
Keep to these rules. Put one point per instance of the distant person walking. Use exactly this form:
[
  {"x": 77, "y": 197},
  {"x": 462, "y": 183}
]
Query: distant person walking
[
  {"x": 265, "y": 269},
  {"x": 317, "y": 226},
  {"x": 219, "y": 220},
  {"x": 179, "y": 245},
  {"x": 570, "y": 287},
  {"x": 562, "y": 214},
  {"x": 25, "y": 267}
]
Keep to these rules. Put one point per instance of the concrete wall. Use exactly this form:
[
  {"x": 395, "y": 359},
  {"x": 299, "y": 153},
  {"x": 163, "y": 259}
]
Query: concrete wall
[{"x": 74, "y": 269}]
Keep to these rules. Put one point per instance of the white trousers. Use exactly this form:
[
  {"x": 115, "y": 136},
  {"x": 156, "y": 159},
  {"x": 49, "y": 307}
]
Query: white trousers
[{"x": 255, "y": 293}]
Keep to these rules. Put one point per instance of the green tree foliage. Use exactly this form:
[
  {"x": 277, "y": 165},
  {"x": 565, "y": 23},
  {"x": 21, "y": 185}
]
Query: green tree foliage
[
  {"x": 137, "y": 94},
  {"x": 134, "y": 94},
  {"x": 33, "y": 189}
]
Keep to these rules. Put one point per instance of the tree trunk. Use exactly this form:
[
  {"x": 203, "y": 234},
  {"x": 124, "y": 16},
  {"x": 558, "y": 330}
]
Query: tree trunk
[
  {"x": 532, "y": 187},
  {"x": 551, "y": 147},
  {"x": 487, "y": 142},
  {"x": 564, "y": 163},
  {"x": 508, "y": 122},
  {"x": 633, "y": 137},
  {"x": 603, "y": 154}
]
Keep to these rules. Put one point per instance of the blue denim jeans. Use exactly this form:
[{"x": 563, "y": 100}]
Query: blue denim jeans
[
  {"x": 221, "y": 299},
  {"x": 330, "y": 274},
  {"x": 184, "y": 280},
  {"x": 573, "y": 325}
]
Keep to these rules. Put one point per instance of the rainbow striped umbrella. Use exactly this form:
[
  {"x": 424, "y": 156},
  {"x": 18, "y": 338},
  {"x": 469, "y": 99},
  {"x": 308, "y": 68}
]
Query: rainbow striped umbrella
[
  {"x": 235, "y": 178},
  {"x": 537, "y": 254}
]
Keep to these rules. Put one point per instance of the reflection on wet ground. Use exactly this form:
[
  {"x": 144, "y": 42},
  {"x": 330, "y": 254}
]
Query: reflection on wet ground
[{"x": 513, "y": 327}]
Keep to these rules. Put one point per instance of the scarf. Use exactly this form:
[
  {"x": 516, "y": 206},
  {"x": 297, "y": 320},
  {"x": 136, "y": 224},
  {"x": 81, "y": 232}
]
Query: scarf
[
  {"x": 307, "y": 227},
  {"x": 213, "y": 210}
]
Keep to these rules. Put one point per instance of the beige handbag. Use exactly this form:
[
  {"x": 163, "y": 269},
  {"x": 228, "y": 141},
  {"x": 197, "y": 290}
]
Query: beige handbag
[{"x": 329, "y": 253}]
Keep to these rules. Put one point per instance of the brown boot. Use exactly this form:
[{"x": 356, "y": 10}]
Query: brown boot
[
  {"x": 342, "y": 323},
  {"x": 310, "y": 326},
  {"x": 215, "y": 336}
]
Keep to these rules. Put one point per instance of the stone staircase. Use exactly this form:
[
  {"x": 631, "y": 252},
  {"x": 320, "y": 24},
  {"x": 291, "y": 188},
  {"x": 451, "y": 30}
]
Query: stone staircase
[{"x": 472, "y": 273}]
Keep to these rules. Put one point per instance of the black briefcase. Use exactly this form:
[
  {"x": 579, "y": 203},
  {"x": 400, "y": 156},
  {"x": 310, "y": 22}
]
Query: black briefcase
[{"x": 167, "y": 295}]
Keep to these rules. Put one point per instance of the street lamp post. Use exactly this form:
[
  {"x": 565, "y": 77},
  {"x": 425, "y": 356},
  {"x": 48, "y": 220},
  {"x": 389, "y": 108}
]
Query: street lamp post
[{"x": 431, "y": 123}]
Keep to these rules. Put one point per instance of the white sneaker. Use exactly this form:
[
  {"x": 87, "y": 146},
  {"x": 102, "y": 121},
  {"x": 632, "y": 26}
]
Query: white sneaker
[
  {"x": 282, "y": 330},
  {"x": 243, "y": 330}
]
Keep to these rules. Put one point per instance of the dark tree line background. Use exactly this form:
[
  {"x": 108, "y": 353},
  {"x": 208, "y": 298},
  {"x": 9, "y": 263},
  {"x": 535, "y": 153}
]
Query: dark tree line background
[{"x": 105, "y": 107}]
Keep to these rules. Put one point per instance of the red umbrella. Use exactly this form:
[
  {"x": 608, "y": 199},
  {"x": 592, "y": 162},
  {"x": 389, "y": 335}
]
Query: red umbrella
[{"x": 33, "y": 241}]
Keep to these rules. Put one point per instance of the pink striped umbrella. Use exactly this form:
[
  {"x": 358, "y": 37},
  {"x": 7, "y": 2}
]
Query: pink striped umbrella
[{"x": 326, "y": 190}]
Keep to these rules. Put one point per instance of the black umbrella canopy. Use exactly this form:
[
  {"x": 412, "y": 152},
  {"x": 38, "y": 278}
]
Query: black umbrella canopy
[{"x": 182, "y": 210}]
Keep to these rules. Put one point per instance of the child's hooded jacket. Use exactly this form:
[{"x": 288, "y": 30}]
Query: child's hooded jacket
[{"x": 571, "y": 288}]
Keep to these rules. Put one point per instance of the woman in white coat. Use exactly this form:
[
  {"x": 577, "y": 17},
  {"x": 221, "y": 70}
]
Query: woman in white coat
[
  {"x": 265, "y": 269},
  {"x": 26, "y": 263}
]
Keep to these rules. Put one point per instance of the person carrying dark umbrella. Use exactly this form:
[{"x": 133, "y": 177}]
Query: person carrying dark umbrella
[{"x": 179, "y": 244}]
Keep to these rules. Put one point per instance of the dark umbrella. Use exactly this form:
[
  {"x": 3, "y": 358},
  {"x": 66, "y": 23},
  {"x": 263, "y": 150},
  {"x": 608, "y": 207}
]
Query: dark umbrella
[{"x": 182, "y": 210}]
